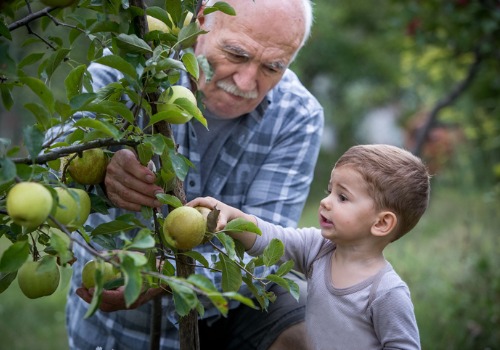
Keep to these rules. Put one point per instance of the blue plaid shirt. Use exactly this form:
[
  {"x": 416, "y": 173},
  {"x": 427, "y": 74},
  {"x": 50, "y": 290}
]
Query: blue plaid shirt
[{"x": 265, "y": 167}]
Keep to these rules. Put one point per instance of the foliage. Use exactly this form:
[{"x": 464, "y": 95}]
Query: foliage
[
  {"x": 70, "y": 117},
  {"x": 409, "y": 55}
]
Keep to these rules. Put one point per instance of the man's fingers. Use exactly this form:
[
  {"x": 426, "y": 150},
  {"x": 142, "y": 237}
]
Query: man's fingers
[{"x": 129, "y": 185}]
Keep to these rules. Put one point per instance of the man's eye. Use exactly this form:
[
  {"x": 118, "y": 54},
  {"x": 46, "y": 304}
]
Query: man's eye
[{"x": 236, "y": 57}]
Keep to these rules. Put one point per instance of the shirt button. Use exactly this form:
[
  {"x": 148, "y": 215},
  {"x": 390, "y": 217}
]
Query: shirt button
[{"x": 192, "y": 183}]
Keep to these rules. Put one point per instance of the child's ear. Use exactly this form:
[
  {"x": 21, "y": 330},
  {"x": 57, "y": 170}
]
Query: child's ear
[{"x": 385, "y": 224}]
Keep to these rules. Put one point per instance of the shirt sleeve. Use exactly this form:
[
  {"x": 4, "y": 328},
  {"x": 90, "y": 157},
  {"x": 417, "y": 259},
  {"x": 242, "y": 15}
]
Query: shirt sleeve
[
  {"x": 394, "y": 320},
  {"x": 301, "y": 245}
]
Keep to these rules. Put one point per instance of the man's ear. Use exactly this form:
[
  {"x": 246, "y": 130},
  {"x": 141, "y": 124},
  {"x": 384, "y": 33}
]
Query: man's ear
[{"x": 385, "y": 223}]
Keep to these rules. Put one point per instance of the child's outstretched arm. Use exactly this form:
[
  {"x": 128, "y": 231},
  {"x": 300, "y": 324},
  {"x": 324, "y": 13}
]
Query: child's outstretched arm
[{"x": 226, "y": 214}]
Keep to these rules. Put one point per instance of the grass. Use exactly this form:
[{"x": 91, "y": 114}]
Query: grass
[
  {"x": 450, "y": 262},
  {"x": 33, "y": 323}
]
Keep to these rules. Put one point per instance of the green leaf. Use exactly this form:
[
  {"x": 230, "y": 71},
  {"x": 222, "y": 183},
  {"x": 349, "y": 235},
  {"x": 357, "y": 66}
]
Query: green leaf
[
  {"x": 159, "y": 13},
  {"x": 105, "y": 127},
  {"x": 170, "y": 112},
  {"x": 133, "y": 44},
  {"x": 111, "y": 108},
  {"x": 228, "y": 244},
  {"x": 231, "y": 274},
  {"x": 188, "y": 35},
  {"x": 7, "y": 170},
  {"x": 4, "y": 30},
  {"x": 205, "y": 67},
  {"x": 180, "y": 164},
  {"x": 6, "y": 279},
  {"x": 7, "y": 99},
  {"x": 294, "y": 288},
  {"x": 285, "y": 268},
  {"x": 33, "y": 139},
  {"x": 30, "y": 59},
  {"x": 185, "y": 298},
  {"x": 96, "y": 298},
  {"x": 74, "y": 81},
  {"x": 79, "y": 101},
  {"x": 220, "y": 6},
  {"x": 279, "y": 281},
  {"x": 118, "y": 63},
  {"x": 257, "y": 292},
  {"x": 169, "y": 200},
  {"x": 191, "y": 64},
  {"x": 145, "y": 153},
  {"x": 41, "y": 114},
  {"x": 219, "y": 302},
  {"x": 242, "y": 299},
  {"x": 240, "y": 224},
  {"x": 143, "y": 240},
  {"x": 62, "y": 248},
  {"x": 41, "y": 90},
  {"x": 55, "y": 60},
  {"x": 198, "y": 257},
  {"x": 273, "y": 252},
  {"x": 113, "y": 227},
  {"x": 14, "y": 256},
  {"x": 133, "y": 280}
]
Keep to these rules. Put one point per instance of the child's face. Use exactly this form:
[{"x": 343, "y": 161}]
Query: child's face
[{"x": 348, "y": 212}]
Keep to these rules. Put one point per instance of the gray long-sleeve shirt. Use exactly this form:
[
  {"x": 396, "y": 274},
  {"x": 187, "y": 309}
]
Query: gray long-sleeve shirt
[{"x": 376, "y": 313}]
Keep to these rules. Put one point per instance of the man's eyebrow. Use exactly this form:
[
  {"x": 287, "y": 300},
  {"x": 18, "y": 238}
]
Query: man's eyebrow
[
  {"x": 278, "y": 65},
  {"x": 236, "y": 49}
]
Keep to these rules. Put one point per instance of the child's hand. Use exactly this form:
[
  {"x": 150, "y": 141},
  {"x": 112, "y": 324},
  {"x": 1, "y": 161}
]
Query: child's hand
[{"x": 226, "y": 212}]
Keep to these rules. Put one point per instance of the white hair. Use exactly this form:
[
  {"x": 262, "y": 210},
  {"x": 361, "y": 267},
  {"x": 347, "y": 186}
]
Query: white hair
[{"x": 308, "y": 18}]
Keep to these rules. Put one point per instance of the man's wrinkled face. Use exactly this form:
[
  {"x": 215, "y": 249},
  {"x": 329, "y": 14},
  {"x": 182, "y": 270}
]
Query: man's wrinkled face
[{"x": 249, "y": 54}]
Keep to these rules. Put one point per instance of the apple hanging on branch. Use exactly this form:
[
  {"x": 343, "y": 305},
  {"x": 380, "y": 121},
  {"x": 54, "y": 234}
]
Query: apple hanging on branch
[{"x": 40, "y": 278}]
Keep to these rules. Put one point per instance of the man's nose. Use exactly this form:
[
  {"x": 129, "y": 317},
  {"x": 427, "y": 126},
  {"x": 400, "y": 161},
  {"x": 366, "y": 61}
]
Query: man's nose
[{"x": 246, "y": 77}]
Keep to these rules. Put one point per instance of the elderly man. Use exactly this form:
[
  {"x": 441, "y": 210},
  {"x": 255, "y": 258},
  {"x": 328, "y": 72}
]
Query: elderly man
[{"x": 259, "y": 156}]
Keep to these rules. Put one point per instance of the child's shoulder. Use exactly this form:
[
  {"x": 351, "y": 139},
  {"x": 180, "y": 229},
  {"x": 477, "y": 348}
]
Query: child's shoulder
[{"x": 388, "y": 283}]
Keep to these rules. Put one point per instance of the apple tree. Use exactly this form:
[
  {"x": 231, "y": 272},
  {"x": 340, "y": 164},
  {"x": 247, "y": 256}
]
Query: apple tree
[{"x": 52, "y": 180}]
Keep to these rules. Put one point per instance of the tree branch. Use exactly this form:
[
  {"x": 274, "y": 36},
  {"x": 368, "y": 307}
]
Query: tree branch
[
  {"x": 424, "y": 131},
  {"x": 64, "y": 151},
  {"x": 31, "y": 17}
]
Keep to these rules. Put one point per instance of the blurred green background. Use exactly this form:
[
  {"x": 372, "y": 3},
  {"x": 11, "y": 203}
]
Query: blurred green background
[{"x": 382, "y": 70}]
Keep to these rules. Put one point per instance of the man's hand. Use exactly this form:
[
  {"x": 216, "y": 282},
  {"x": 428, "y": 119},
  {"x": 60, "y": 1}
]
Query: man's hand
[
  {"x": 129, "y": 184},
  {"x": 114, "y": 300}
]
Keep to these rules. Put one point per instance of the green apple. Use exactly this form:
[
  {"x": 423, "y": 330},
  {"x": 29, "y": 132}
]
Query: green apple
[
  {"x": 39, "y": 278},
  {"x": 58, "y": 3},
  {"x": 205, "y": 212},
  {"x": 73, "y": 207},
  {"x": 169, "y": 96},
  {"x": 184, "y": 228},
  {"x": 29, "y": 204},
  {"x": 84, "y": 207},
  {"x": 90, "y": 168},
  {"x": 108, "y": 272}
]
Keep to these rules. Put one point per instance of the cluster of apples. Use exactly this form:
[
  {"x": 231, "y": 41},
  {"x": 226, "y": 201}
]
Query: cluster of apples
[{"x": 31, "y": 204}]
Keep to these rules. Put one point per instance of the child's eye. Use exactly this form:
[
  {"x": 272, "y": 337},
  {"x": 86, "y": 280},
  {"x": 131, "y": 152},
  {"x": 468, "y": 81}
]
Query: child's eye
[
  {"x": 342, "y": 198},
  {"x": 328, "y": 191}
]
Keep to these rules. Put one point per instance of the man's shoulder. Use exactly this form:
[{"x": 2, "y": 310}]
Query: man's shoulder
[{"x": 293, "y": 92}]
